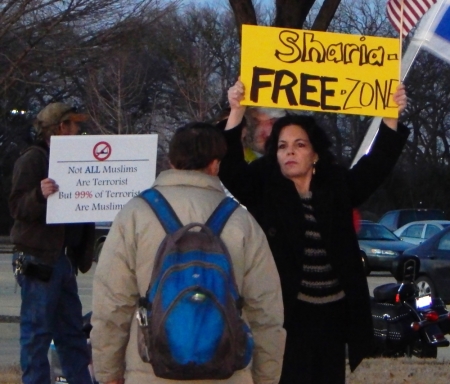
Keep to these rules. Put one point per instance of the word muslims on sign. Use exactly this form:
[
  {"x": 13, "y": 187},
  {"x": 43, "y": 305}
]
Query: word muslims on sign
[
  {"x": 319, "y": 71},
  {"x": 98, "y": 174}
]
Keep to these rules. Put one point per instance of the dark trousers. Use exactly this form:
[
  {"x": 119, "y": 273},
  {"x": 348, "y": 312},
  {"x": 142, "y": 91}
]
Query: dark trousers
[
  {"x": 315, "y": 344},
  {"x": 52, "y": 310}
]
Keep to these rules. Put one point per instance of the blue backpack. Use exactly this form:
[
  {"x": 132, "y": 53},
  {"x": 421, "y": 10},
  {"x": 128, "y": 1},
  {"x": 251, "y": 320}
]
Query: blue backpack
[{"x": 190, "y": 325}]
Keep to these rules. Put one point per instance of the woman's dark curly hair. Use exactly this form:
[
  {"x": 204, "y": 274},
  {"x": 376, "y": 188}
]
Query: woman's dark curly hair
[{"x": 317, "y": 136}]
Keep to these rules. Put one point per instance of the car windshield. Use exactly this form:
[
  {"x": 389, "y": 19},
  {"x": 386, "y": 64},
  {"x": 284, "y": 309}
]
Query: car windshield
[{"x": 375, "y": 232}]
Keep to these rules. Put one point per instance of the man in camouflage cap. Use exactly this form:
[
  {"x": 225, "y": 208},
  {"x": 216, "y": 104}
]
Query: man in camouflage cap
[
  {"x": 57, "y": 116},
  {"x": 46, "y": 259}
]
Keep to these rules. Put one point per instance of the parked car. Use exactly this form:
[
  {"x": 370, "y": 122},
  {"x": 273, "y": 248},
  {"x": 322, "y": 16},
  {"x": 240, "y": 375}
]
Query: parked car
[
  {"x": 393, "y": 220},
  {"x": 434, "y": 272},
  {"x": 379, "y": 246},
  {"x": 101, "y": 231},
  {"x": 417, "y": 232}
]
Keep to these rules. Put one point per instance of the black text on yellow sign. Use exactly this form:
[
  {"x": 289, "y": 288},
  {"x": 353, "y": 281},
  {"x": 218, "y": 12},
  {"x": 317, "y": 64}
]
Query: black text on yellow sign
[{"x": 319, "y": 71}]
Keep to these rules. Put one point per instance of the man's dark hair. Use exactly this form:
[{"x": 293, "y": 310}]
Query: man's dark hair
[
  {"x": 317, "y": 136},
  {"x": 195, "y": 145}
]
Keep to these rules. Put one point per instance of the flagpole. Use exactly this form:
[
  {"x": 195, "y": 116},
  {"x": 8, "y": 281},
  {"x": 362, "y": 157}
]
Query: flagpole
[
  {"x": 408, "y": 59},
  {"x": 401, "y": 40}
]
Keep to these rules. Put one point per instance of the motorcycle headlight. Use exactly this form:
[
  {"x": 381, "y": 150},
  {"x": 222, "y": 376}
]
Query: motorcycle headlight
[{"x": 383, "y": 252}]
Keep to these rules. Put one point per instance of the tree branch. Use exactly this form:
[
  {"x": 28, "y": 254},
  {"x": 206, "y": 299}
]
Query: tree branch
[
  {"x": 325, "y": 15},
  {"x": 292, "y": 13},
  {"x": 244, "y": 13}
]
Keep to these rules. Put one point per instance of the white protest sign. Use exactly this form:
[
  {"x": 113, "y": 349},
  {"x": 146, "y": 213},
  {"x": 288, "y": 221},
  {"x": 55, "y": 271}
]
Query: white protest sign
[{"x": 98, "y": 174}]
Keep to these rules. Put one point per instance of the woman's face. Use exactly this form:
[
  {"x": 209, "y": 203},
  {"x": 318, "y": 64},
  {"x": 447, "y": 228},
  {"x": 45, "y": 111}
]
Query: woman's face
[{"x": 295, "y": 153}]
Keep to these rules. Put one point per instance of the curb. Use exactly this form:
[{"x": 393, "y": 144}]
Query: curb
[
  {"x": 9, "y": 319},
  {"x": 4, "y": 248},
  {"x": 5, "y": 245}
]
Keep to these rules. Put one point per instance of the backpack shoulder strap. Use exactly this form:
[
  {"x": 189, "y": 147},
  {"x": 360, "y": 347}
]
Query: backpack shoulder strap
[
  {"x": 221, "y": 214},
  {"x": 162, "y": 209}
]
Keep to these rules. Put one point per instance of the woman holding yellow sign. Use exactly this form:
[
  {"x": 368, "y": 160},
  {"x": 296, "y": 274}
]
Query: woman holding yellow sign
[{"x": 303, "y": 201}]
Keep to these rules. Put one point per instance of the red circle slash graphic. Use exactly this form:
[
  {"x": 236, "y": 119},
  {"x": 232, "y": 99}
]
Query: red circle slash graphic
[{"x": 102, "y": 150}]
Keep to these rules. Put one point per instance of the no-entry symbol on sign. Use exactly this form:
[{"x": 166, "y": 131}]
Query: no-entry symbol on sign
[{"x": 102, "y": 150}]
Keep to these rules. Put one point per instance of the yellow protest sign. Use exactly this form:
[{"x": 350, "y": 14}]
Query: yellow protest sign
[{"x": 319, "y": 71}]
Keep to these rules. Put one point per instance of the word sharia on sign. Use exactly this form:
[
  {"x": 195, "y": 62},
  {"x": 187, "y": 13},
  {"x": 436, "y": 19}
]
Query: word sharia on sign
[
  {"x": 97, "y": 175},
  {"x": 319, "y": 71}
]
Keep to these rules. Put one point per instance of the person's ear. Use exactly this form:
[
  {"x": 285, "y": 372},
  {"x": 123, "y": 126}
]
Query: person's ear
[
  {"x": 213, "y": 167},
  {"x": 217, "y": 166}
]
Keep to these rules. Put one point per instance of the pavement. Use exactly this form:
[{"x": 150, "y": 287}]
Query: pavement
[{"x": 10, "y": 305}]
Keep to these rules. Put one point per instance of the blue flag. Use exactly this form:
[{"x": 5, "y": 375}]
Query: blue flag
[{"x": 438, "y": 39}]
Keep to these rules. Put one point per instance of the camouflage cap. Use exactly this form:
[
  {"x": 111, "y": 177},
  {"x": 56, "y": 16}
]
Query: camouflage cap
[{"x": 56, "y": 113}]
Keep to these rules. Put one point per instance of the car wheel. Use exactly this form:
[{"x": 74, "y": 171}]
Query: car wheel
[
  {"x": 425, "y": 286},
  {"x": 365, "y": 264},
  {"x": 98, "y": 250}
]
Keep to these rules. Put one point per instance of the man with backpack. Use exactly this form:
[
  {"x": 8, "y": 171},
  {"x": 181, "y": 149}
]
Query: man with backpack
[{"x": 186, "y": 288}]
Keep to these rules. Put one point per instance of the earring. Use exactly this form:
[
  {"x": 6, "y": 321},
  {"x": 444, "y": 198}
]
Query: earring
[{"x": 314, "y": 167}]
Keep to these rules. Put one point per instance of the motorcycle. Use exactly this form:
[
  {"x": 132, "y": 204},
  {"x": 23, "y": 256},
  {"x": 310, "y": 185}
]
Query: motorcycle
[{"x": 406, "y": 324}]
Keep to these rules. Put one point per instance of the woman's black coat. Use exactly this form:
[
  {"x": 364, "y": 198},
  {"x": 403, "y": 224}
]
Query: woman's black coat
[{"x": 275, "y": 203}]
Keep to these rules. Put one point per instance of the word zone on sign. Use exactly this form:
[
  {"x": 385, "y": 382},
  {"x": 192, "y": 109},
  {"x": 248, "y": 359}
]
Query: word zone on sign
[{"x": 320, "y": 71}]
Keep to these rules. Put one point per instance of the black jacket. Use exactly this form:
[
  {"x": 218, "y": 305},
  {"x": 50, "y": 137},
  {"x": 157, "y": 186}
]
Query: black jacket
[
  {"x": 30, "y": 232},
  {"x": 275, "y": 203}
]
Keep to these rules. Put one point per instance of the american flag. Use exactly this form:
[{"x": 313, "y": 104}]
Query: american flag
[{"x": 413, "y": 10}]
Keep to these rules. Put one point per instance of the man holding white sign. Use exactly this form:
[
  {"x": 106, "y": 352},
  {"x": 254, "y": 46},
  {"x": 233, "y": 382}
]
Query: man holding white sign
[
  {"x": 46, "y": 259},
  {"x": 98, "y": 174}
]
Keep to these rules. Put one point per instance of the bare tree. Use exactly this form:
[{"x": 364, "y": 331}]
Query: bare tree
[
  {"x": 111, "y": 93},
  {"x": 362, "y": 18},
  {"x": 428, "y": 113},
  {"x": 289, "y": 13},
  {"x": 39, "y": 39},
  {"x": 202, "y": 57},
  {"x": 138, "y": 67},
  {"x": 45, "y": 48}
]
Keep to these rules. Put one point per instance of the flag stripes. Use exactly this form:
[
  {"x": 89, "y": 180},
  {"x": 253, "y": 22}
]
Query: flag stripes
[{"x": 413, "y": 10}]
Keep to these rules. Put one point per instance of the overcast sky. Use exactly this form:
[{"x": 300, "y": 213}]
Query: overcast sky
[{"x": 224, "y": 3}]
